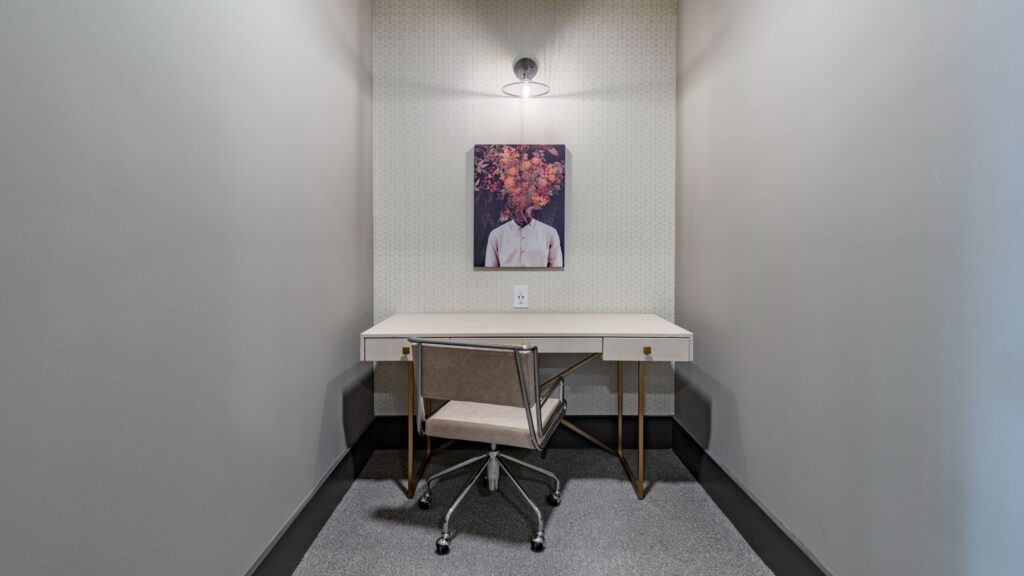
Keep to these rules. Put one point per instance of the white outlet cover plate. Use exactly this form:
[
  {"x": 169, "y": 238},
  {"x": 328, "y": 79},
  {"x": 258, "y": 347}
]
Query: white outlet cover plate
[{"x": 520, "y": 297}]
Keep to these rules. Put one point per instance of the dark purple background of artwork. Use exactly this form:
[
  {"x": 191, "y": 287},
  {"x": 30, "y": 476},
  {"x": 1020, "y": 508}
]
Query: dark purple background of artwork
[{"x": 487, "y": 207}]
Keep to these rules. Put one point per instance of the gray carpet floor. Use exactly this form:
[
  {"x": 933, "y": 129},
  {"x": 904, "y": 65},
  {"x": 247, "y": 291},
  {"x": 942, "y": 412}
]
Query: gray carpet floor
[{"x": 600, "y": 527}]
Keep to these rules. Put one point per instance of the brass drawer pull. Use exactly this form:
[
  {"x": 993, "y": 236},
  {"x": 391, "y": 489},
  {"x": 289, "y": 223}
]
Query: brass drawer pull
[
  {"x": 647, "y": 350},
  {"x": 405, "y": 350}
]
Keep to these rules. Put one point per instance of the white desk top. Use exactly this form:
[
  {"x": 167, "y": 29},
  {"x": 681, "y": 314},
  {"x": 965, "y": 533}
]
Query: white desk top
[{"x": 526, "y": 324}]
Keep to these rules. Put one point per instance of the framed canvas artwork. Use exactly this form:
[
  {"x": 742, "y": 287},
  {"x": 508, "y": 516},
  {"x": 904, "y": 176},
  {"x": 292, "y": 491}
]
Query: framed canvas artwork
[{"x": 519, "y": 206}]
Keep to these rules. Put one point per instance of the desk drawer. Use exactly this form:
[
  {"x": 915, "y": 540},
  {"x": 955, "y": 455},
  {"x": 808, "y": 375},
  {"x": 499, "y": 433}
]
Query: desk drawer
[
  {"x": 546, "y": 345},
  {"x": 386, "y": 350},
  {"x": 661, "y": 349}
]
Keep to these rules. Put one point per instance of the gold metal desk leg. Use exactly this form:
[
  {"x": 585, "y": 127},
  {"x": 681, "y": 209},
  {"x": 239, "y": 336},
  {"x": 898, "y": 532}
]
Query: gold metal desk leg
[
  {"x": 640, "y": 427},
  {"x": 618, "y": 375},
  {"x": 416, "y": 473},
  {"x": 411, "y": 485},
  {"x": 638, "y": 480}
]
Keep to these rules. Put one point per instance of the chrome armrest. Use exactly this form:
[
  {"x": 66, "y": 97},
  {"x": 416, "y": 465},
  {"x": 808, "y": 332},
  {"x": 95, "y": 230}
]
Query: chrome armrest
[
  {"x": 545, "y": 431},
  {"x": 560, "y": 384}
]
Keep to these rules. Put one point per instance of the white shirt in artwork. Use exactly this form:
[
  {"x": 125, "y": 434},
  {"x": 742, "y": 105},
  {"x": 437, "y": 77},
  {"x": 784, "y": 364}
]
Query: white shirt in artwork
[{"x": 535, "y": 245}]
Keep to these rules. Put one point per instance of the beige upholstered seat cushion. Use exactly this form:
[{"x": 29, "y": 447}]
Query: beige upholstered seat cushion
[{"x": 490, "y": 423}]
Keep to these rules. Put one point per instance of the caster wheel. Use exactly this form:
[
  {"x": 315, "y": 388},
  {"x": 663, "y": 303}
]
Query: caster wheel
[
  {"x": 425, "y": 501},
  {"x": 537, "y": 544},
  {"x": 443, "y": 546},
  {"x": 555, "y": 498}
]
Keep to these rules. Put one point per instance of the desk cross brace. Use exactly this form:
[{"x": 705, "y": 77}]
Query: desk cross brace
[{"x": 636, "y": 480}]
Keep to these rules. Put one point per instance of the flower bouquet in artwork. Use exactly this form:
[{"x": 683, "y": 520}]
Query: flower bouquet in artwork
[{"x": 519, "y": 205}]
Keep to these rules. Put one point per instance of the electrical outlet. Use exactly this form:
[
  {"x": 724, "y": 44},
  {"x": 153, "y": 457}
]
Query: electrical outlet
[{"x": 520, "y": 296}]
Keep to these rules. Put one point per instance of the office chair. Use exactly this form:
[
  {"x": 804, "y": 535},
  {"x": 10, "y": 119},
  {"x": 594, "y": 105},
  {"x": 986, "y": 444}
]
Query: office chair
[{"x": 490, "y": 394}]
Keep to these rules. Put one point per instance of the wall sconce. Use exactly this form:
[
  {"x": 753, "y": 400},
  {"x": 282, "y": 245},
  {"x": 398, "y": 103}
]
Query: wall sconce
[{"x": 525, "y": 69}]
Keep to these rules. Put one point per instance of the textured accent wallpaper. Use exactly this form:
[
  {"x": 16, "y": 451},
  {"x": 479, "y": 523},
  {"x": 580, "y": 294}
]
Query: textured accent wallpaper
[{"x": 438, "y": 69}]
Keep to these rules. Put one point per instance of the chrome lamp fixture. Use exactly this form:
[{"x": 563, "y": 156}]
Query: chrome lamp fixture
[{"x": 525, "y": 69}]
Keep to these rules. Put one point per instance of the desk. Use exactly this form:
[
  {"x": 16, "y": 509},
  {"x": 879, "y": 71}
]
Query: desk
[{"x": 619, "y": 338}]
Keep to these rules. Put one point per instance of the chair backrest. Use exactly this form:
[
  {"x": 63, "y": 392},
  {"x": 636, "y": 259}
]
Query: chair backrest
[{"x": 490, "y": 374}]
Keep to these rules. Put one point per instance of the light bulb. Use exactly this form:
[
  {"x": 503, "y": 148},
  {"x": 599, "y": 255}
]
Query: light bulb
[{"x": 525, "y": 69}]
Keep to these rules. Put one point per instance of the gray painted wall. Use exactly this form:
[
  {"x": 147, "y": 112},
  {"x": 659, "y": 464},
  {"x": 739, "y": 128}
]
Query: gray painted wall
[
  {"x": 851, "y": 256},
  {"x": 185, "y": 266}
]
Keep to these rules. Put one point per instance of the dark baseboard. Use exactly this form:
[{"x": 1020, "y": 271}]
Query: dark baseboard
[
  {"x": 769, "y": 540},
  {"x": 284, "y": 556},
  {"x": 389, "y": 432}
]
